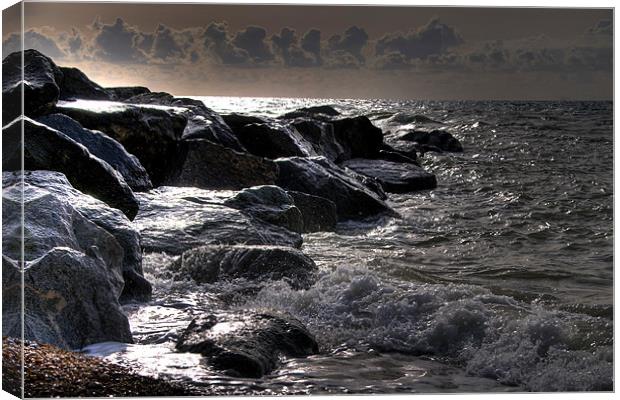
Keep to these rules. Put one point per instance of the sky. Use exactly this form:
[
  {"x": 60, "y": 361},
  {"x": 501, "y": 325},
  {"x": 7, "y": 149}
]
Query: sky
[{"x": 394, "y": 52}]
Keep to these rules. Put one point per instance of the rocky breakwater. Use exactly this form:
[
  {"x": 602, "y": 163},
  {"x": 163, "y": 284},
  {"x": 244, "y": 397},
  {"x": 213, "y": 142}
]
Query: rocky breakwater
[{"x": 113, "y": 175}]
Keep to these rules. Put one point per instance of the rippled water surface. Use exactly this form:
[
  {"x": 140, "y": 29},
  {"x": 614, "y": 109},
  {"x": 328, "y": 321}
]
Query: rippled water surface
[{"x": 498, "y": 280}]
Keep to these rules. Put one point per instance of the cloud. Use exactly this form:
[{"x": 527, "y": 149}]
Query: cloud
[
  {"x": 252, "y": 40},
  {"x": 431, "y": 39},
  {"x": 286, "y": 44},
  {"x": 118, "y": 42},
  {"x": 32, "y": 40},
  {"x": 217, "y": 41},
  {"x": 352, "y": 42},
  {"x": 311, "y": 42},
  {"x": 602, "y": 27}
]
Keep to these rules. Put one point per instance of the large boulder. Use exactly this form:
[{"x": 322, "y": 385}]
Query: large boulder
[
  {"x": 149, "y": 132},
  {"x": 318, "y": 213},
  {"x": 207, "y": 264},
  {"x": 110, "y": 219},
  {"x": 204, "y": 164},
  {"x": 176, "y": 219},
  {"x": 104, "y": 147},
  {"x": 270, "y": 204},
  {"x": 121, "y": 93},
  {"x": 45, "y": 148},
  {"x": 72, "y": 269},
  {"x": 439, "y": 139},
  {"x": 273, "y": 140},
  {"x": 394, "y": 177},
  {"x": 40, "y": 88},
  {"x": 76, "y": 85},
  {"x": 358, "y": 136},
  {"x": 320, "y": 135},
  {"x": 319, "y": 177},
  {"x": 202, "y": 122},
  {"x": 245, "y": 343},
  {"x": 312, "y": 111},
  {"x": 237, "y": 121}
]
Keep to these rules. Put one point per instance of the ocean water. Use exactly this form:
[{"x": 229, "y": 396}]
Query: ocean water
[{"x": 500, "y": 279}]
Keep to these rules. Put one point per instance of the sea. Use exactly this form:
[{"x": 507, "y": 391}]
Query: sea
[{"x": 498, "y": 280}]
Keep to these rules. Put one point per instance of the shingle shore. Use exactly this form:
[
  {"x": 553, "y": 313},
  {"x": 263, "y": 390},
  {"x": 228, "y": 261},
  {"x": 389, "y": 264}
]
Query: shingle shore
[{"x": 51, "y": 372}]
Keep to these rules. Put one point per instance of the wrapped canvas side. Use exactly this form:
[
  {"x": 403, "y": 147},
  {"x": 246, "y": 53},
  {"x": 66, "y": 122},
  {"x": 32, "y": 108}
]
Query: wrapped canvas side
[{"x": 12, "y": 204}]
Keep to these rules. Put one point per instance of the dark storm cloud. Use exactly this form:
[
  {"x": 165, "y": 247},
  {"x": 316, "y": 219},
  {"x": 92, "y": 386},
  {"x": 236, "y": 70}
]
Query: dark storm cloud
[
  {"x": 165, "y": 44},
  {"x": 117, "y": 42},
  {"x": 431, "y": 39},
  {"x": 32, "y": 40},
  {"x": 311, "y": 42},
  {"x": 352, "y": 42},
  {"x": 218, "y": 42},
  {"x": 252, "y": 40},
  {"x": 603, "y": 27},
  {"x": 75, "y": 41},
  {"x": 286, "y": 44}
]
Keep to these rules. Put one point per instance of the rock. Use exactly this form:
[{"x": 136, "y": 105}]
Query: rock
[
  {"x": 395, "y": 156},
  {"x": 321, "y": 137},
  {"x": 245, "y": 343},
  {"x": 270, "y": 204},
  {"x": 76, "y": 85},
  {"x": 273, "y": 140},
  {"x": 318, "y": 213},
  {"x": 311, "y": 111},
  {"x": 48, "y": 149},
  {"x": 237, "y": 121},
  {"x": 394, "y": 177},
  {"x": 358, "y": 136},
  {"x": 209, "y": 165},
  {"x": 319, "y": 177},
  {"x": 110, "y": 219},
  {"x": 407, "y": 149},
  {"x": 207, "y": 264},
  {"x": 176, "y": 219},
  {"x": 41, "y": 90},
  {"x": 202, "y": 122},
  {"x": 149, "y": 132},
  {"x": 122, "y": 93},
  {"x": 104, "y": 147},
  {"x": 436, "y": 138},
  {"x": 72, "y": 270}
]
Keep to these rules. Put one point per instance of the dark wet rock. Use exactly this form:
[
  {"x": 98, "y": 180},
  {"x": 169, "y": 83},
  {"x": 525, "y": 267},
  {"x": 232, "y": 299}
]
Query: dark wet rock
[
  {"x": 396, "y": 157},
  {"x": 202, "y": 122},
  {"x": 245, "y": 343},
  {"x": 124, "y": 92},
  {"x": 176, "y": 219},
  {"x": 104, "y": 147},
  {"x": 437, "y": 138},
  {"x": 407, "y": 149},
  {"x": 318, "y": 213},
  {"x": 270, "y": 204},
  {"x": 136, "y": 287},
  {"x": 207, "y": 264},
  {"x": 151, "y": 133},
  {"x": 237, "y": 121},
  {"x": 73, "y": 275},
  {"x": 394, "y": 177},
  {"x": 76, "y": 85},
  {"x": 209, "y": 165},
  {"x": 273, "y": 140},
  {"x": 311, "y": 111},
  {"x": 320, "y": 177},
  {"x": 358, "y": 136},
  {"x": 48, "y": 149},
  {"x": 41, "y": 90},
  {"x": 321, "y": 137}
]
